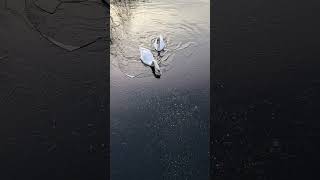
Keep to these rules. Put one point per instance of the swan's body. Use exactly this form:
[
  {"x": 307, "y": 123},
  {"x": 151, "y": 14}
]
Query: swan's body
[
  {"x": 147, "y": 58},
  {"x": 159, "y": 43}
]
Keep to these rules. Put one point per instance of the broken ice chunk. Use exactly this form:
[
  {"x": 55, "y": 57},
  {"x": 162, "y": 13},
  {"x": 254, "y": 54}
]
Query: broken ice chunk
[{"x": 49, "y": 6}]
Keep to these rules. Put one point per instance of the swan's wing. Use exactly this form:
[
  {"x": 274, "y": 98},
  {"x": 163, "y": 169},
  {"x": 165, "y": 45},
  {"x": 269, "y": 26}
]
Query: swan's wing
[
  {"x": 162, "y": 43},
  {"x": 146, "y": 56}
]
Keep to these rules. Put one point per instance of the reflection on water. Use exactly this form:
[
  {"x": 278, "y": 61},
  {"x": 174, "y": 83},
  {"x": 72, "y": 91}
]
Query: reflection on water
[
  {"x": 138, "y": 23},
  {"x": 159, "y": 127}
]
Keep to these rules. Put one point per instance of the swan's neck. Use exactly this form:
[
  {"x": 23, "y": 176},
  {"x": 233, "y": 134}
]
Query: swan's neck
[{"x": 158, "y": 43}]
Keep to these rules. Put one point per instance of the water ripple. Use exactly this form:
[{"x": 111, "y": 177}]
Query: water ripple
[{"x": 138, "y": 23}]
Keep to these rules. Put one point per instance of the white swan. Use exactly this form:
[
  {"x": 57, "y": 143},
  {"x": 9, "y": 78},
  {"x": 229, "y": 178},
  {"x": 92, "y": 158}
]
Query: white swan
[
  {"x": 147, "y": 58},
  {"x": 159, "y": 43}
]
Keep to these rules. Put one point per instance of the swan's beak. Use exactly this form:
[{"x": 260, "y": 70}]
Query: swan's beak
[{"x": 157, "y": 71}]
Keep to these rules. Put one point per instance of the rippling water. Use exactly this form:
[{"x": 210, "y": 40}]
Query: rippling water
[
  {"x": 159, "y": 127},
  {"x": 138, "y": 23}
]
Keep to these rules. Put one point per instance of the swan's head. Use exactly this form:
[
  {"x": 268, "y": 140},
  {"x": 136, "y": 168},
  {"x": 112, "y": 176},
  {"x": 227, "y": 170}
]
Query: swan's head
[{"x": 157, "y": 72}]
